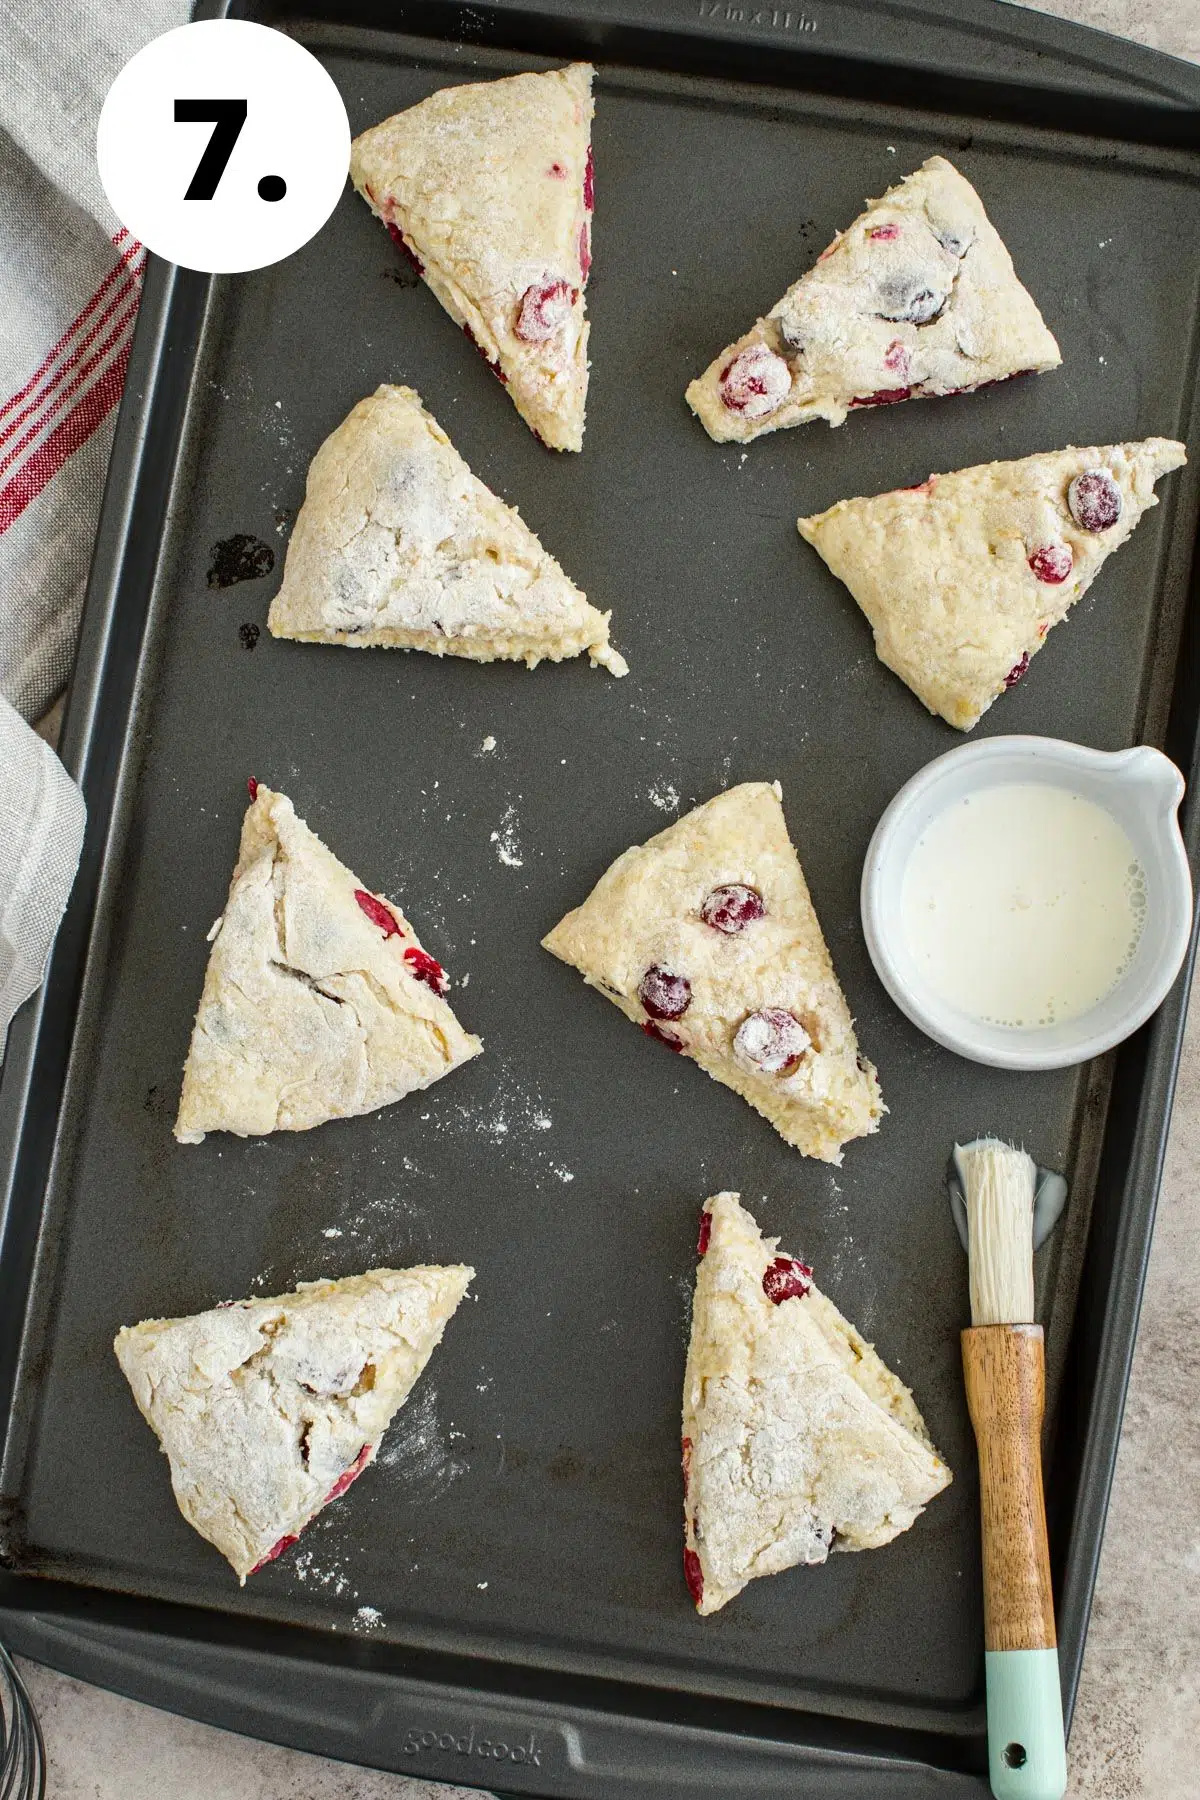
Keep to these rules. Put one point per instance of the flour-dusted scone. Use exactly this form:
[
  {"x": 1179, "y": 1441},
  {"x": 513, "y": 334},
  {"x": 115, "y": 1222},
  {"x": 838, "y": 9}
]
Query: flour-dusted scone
[
  {"x": 918, "y": 298},
  {"x": 963, "y": 576},
  {"x": 318, "y": 1001},
  {"x": 268, "y": 1409},
  {"x": 489, "y": 189},
  {"x": 398, "y": 544},
  {"x": 797, "y": 1440},
  {"x": 706, "y": 937}
]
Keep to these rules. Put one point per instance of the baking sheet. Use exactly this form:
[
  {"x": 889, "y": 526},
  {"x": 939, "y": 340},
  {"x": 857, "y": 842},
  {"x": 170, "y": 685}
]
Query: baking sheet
[{"x": 525, "y": 1507}]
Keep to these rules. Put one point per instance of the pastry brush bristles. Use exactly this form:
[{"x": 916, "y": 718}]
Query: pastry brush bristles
[{"x": 999, "y": 1186}]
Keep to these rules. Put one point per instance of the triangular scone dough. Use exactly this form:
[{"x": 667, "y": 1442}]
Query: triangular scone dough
[
  {"x": 268, "y": 1409},
  {"x": 318, "y": 1001},
  {"x": 918, "y": 298},
  {"x": 488, "y": 187},
  {"x": 796, "y": 1437},
  {"x": 398, "y": 544},
  {"x": 706, "y": 937},
  {"x": 962, "y": 577}
]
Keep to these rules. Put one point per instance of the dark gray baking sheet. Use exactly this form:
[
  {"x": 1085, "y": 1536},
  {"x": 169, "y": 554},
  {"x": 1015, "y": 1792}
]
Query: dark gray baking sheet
[{"x": 526, "y": 1507}]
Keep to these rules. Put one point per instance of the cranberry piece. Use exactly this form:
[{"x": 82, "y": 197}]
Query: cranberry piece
[
  {"x": 1018, "y": 669},
  {"x": 919, "y": 487},
  {"x": 589, "y": 181},
  {"x": 252, "y": 786},
  {"x": 351, "y": 1474},
  {"x": 756, "y": 382},
  {"x": 686, "y": 1460},
  {"x": 662, "y": 1037},
  {"x": 402, "y": 243},
  {"x": 377, "y": 912},
  {"x": 884, "y": 397},
  {"x": 773, "y": 1040},
  {"x": 886, "y": 232},
  {"x": 693, "y": 1574},
  {"x": 906, "y": 299},
  {"x": 426, "y": 968},
  {"x": 1052, "y": 562},
  {"x": 1095, "y": 500},
  {"x": 285, "y": 1543},
  {"x": 732, "y": 907},
  {"x": 558, "y": 171},
  {"x": 544, "y": 309},
  {"x": 704, "y": 1237},
  {"x": 585, "y": 249},
  {"x": 897, "y": 360},
  {"x": 664, "y": 994},
  {"x": 786, "y": 1279}
]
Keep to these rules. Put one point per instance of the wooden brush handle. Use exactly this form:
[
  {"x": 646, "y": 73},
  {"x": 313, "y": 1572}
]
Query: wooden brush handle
[{"x": 1005, "y": 1371}]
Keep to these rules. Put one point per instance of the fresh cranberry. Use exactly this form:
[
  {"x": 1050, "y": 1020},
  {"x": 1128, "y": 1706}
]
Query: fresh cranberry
[
  {"x": 1052, "y": 562},
  {"x": 494, "y": 366},
  {"x": 664, "y": 994},
  {"x": 662, "y": 1037},
  {"x": 732, "y": 907},
  {"x": 585, "y": 249},
  {"x": 786, "y": 1279},
  {"x": 756, "y": 382},
  {"x": 426, "y": 968},
  {"x": 886, "y": 232},
  {"x": 897, "y": 360},
  {"x": 402, "y": 243},
  {"x": 1018, "y": 669},
  {"x": 1095, "y": 500},
  {"x": 885, "y": 397},
  {"x": 377, "y": 912},
  {"x": 919, "y": 487},
  {"x": 252, "y": 785},
  {"x": 693, "y": 1574},
  {"x": 589, "y": 181},
  {"x": 544, "y": 309},
  {"x": 686, "y": 1460},
  {"x": 558, "y": 171},
  {"x": 351, "y": 1474},
  {"x": 285, "y": 1543},
  {"x": 704, "y": 1237},
  {"x": 773, "y": 1040},
  {"x": 906, "y": 299}
]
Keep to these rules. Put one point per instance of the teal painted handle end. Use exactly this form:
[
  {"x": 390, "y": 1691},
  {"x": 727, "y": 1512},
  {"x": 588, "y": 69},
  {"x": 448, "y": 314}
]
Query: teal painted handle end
[{"x": 1027, "y": 1757}]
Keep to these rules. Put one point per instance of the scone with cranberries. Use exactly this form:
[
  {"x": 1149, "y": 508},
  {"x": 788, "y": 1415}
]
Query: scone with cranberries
[
  {"x": 797, "y": 1439},
  {"x": 268, "y": 1409},
  {"x": 917, "y": 298},
  {"x": 706, "y": 937},
  {"x": 399, "y": 546},
  {"x": 488, "y": 188},
  {"x": 963, "y": 577},
  {"x": 319, "y": 1001}
]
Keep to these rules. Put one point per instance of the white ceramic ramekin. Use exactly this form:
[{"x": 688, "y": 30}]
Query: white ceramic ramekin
[{"x": 1142, "y": 791}]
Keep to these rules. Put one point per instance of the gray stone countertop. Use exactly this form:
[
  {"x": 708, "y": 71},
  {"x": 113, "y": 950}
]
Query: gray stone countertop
[{"x": 1137, "y": 1725}]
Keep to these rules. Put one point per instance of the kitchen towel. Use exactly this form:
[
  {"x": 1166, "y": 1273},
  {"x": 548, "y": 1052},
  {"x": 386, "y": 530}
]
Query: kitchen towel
[{"x": 70, "y": 276}]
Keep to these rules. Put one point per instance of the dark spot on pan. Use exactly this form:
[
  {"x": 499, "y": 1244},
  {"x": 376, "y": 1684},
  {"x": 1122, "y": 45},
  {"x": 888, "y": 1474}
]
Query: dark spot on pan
[
  {"x": 239, "y": 558},
  {"x": 249, "y": 634}
]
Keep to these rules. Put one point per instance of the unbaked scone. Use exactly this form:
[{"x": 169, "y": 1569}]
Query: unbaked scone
[
  {"x": 706, "y": 937},
  {"x": 488, "y": 187},
  {"x": 797, "y": 1439},
  {"x": 917, "y": 298},
  {"x": 318, "y": 1000},
  {"x": 398, "y": 544},
  {"x": 268, "y": 1409},
  {"x": 963, "y": 576}
]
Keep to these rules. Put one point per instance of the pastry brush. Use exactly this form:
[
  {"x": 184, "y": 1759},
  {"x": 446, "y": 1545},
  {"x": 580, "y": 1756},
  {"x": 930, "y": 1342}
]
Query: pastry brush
[{"x": 1004, "y": 1365}]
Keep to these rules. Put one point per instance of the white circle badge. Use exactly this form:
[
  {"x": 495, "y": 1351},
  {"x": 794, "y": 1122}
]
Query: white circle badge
[{"x": 223, "y": 146}]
